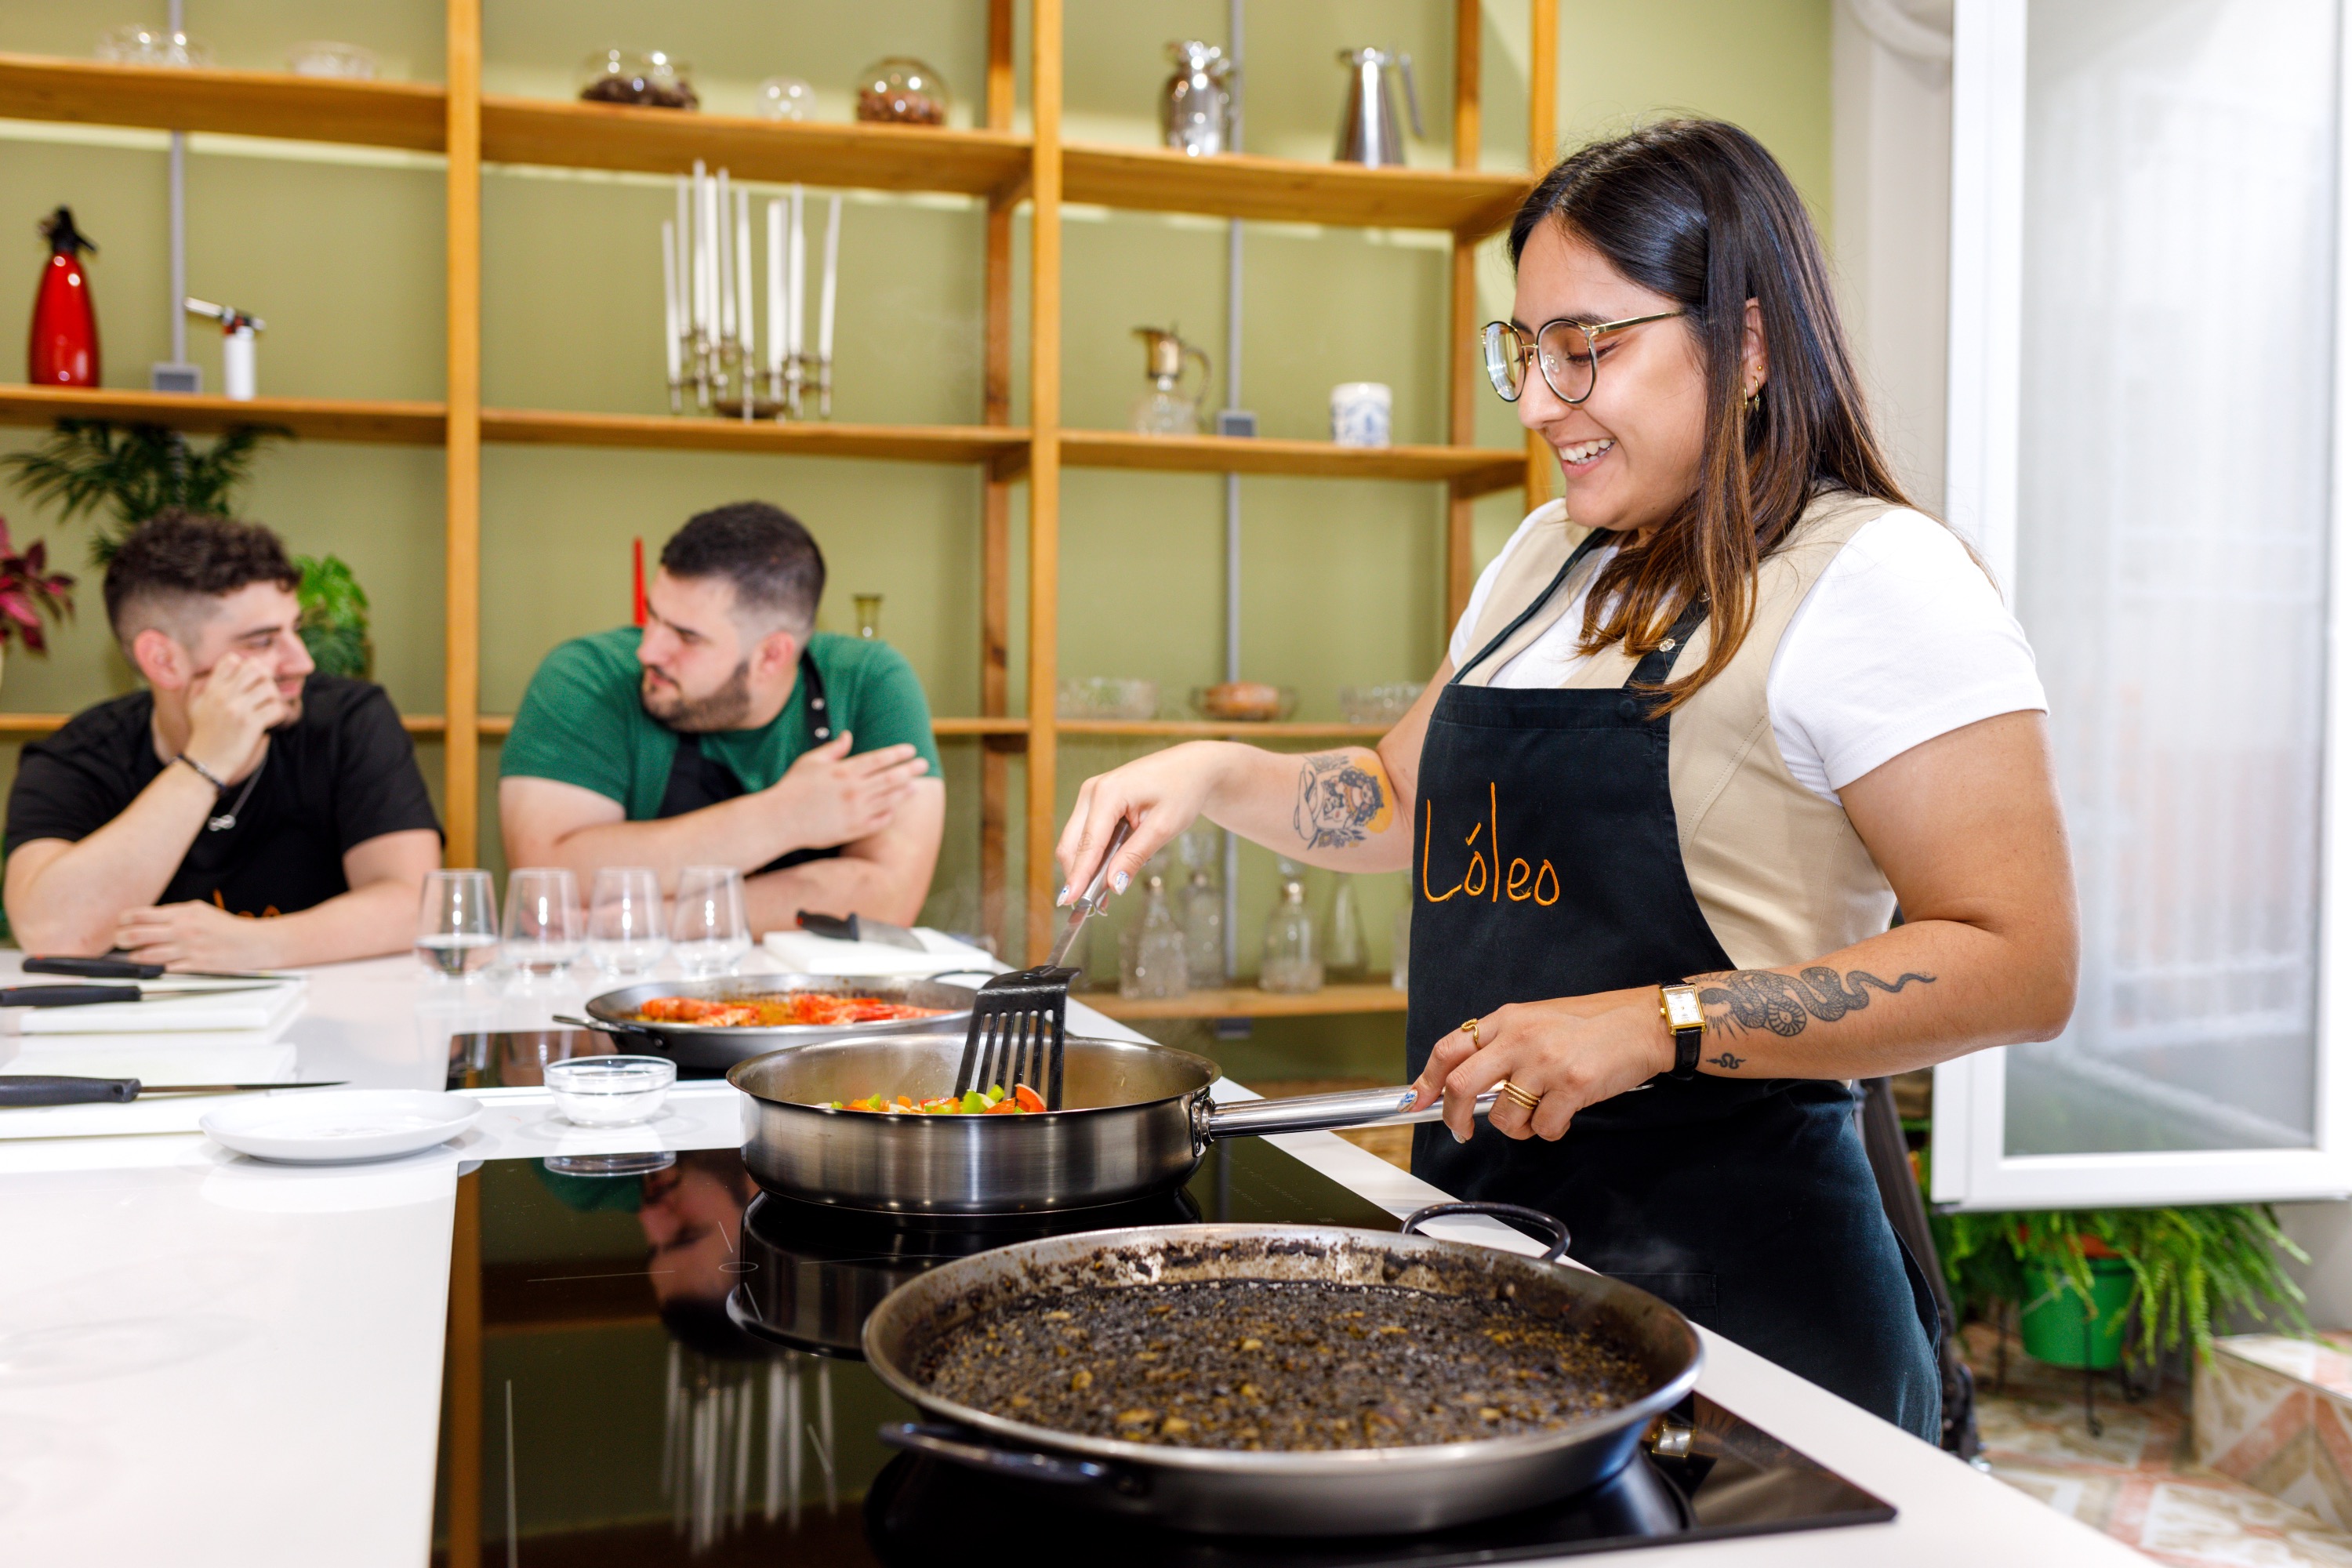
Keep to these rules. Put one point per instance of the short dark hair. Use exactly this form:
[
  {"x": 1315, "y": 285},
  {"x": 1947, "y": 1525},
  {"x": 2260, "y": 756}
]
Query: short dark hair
[
  {"x": 774, "y": 564},
  {"x": 179, "y": 554}
]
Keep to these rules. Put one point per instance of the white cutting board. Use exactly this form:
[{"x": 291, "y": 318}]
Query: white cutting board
[
  {"x": 251, "y": 1012},
  {"x": 804, "y": 953},
  {"x": 180, "y": 1060}
]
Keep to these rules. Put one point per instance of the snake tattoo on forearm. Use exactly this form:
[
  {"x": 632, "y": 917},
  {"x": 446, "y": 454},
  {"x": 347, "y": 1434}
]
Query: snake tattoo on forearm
[{"x": 1762, "y": 999}]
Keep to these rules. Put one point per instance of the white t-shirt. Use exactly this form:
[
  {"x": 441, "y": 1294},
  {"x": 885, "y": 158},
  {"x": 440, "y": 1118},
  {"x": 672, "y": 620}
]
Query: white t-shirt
[{"x": 1903, "y": 638}]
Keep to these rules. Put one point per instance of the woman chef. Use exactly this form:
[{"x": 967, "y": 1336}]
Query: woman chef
[{"x": 1701, "y": 730}]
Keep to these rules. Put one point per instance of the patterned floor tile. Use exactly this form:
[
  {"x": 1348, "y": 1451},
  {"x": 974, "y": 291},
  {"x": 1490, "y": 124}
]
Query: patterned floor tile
[{"x": 2138, "y": 1479}]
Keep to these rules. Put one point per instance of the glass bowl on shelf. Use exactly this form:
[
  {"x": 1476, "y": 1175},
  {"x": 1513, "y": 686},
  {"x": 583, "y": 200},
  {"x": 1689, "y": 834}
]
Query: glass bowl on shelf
[
  {"x": 344, "y": 62},
  {"x": 1106, "y": 697},
  {"x": 650, "y": 80},
  {"x": 136, "y": 43},
  {"x": 1244, "y": 701},
  {"x": 781, "y": 98},
  {"x": 1378, "y": 704},
  {"x": 902, "y": 90}
]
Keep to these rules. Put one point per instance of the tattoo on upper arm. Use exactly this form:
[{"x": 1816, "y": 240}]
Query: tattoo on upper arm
[
  {"x": 1340, "y": 801},
  {"x": 1762, "y": 999}
]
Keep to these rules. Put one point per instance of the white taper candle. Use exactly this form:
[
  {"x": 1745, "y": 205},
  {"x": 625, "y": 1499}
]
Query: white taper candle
[
  {"x": 699, "y": 250},
  {"x": 832, "y": 268},
  {"x": 775, "y": 284},
  {"x": 745, "y": 321},
  {"x": 724, "y": 210},
  {"x": 795, "y": 281},
  {"x": 669, "y": 297}
]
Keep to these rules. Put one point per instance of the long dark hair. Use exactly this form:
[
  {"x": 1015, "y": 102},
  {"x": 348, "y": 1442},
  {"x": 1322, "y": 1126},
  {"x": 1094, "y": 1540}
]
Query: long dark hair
[{"x": 1698, "y": 211}]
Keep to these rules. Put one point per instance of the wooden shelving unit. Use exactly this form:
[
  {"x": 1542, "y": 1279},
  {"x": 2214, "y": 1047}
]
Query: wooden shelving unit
[{"x": 992, "y": 162}]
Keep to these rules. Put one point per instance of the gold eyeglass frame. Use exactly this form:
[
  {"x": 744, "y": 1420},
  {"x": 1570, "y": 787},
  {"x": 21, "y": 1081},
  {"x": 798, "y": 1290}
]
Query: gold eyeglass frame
[{"x": 1492, "y": 336}]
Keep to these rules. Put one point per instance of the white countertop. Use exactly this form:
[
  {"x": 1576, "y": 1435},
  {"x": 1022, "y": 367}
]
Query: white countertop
[{"x": 177, "y": 1325}]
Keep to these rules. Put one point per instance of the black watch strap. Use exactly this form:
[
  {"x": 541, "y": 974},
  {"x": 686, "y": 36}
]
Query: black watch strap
[{"x": 1679, "y": 1006}]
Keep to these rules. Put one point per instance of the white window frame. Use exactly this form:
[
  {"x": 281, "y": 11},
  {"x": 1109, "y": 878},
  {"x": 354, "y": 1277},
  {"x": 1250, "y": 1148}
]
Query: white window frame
[{"x": 1969, "y": 1169}]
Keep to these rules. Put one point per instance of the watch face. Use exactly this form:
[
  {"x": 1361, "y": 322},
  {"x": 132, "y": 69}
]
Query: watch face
[{"x": 1683, "y": 1011}]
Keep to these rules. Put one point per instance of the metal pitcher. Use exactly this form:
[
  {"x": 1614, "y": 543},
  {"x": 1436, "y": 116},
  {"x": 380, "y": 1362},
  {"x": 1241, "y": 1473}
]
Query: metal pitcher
[
  {"x": 1367, "y": 130},
  {"x": 1166, "y": 408},
  {"x": 1196, "y": 105}
]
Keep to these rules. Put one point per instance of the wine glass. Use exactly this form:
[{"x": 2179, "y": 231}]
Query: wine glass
[
  {"x": 454, "y": 934},
  {"x": 542, "y": 930},
  {"x": 707, "y": 931},
  {"x": 624, "y": 924}
]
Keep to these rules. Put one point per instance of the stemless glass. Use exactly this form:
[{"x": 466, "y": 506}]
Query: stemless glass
[
  {"x": 542, "y": 934},
  {"x": 624, "y": 924},
  {"x": 708, "y": 933},
  {"x": 456, "y": 935}
]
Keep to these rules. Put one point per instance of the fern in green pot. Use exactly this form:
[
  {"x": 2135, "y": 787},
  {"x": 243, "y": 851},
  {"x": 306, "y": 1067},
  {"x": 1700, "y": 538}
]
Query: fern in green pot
[{"x": 133, "y": 471}]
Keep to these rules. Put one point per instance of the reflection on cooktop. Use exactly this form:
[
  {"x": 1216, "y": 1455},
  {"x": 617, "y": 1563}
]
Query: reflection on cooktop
[{"x": 661, "y": 1368}]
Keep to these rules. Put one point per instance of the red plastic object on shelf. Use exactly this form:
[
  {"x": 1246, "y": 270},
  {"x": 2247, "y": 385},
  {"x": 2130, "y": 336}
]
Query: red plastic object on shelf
[
  {"x": 64, "y": 347},
  {"x": 637, "y": 581}
]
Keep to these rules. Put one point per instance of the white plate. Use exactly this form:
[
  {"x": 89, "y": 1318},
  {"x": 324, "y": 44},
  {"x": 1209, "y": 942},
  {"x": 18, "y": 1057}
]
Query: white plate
[{"x": 355, "y": 1124}]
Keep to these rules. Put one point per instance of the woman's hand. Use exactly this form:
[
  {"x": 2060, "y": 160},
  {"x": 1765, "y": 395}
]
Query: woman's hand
[
  {"x": 1162, "y": 794},
  {"x": 1571, "y": 1053}
]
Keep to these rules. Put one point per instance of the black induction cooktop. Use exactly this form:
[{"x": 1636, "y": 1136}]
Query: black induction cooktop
[{"x": 663, "y": 1368}]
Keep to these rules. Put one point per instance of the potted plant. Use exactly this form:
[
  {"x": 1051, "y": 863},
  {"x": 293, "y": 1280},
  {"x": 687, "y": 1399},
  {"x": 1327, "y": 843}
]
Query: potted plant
[
  {"x": 90, "y": 466},
  {"x": 2096, "y": 1287},
  {"x": 29, "y": 591}
]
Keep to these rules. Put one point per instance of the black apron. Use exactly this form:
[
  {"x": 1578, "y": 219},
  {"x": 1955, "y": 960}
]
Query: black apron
[
  {"x": 697, "y": 780},
  {"x": 1546, "y": 863}
]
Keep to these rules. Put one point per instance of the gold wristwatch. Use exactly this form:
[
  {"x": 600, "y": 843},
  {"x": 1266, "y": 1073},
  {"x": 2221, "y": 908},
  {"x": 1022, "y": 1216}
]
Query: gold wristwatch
[{"x": 1686, "y": 1020}]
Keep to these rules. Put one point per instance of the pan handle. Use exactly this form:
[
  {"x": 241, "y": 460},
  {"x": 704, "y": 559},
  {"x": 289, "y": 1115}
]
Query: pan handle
[
  {"x": 1520, "y": 1212},
  {"x": 1317, "y": 1113},
  {"x": 618, "y": 1031},
  {"x": 955, "y": 1446}
]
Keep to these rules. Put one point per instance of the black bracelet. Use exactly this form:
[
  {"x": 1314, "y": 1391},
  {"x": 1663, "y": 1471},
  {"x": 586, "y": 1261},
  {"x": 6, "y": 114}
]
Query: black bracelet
[{"x": 203, "y": 771}]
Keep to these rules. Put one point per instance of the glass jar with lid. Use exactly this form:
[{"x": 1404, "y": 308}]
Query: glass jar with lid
[
  {"x": 646, "y": 79},
  {"x": 902, "y": 90}
]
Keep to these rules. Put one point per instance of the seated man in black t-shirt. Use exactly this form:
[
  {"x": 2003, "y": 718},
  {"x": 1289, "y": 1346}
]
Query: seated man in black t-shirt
[{"x": 241, "y": 783}]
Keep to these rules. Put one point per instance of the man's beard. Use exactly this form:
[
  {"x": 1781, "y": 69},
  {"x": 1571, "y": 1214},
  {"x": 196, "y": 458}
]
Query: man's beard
[{"x": 725, "y": 708}]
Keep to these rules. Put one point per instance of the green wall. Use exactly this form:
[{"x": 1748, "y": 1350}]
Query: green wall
[{"x": 340, "y": 249}]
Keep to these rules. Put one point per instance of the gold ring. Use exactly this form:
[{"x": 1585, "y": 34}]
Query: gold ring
[
  {"x": 1471, "y": 1029},
  {"x": 1517, "y": 1096}
]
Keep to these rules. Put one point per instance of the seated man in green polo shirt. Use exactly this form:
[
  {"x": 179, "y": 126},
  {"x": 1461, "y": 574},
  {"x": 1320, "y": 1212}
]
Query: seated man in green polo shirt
[{"x": 730, "y": 733}]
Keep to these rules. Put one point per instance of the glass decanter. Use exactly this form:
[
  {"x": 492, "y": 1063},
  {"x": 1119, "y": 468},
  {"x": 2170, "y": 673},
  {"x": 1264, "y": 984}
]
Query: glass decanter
[
  {"x": 1204, "y": 930},
  {"x": 1152, "y": 960},
  {"x": 1345, "y": 955},
  {"x": 1290, "y": 963}
]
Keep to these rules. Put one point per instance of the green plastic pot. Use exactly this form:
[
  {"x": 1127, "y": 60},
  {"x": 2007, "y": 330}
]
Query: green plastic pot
[{"x": 2058, "y": 1328}]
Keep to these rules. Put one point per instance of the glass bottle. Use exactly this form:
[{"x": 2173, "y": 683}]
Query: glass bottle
[
  {"x": 1400, "y": 948},
  {"x": 869, "y": 615},
  {"x": 1204, "y": 930},
  {"x": 1151, "y": 961},
  {"x": 1346, "y": 956},
  {"x": 1290, "y": 963}
]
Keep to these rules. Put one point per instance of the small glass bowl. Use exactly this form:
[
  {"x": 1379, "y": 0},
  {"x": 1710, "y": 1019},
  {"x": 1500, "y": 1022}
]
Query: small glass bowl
[
  {"x": 781, "y": 98},
  {"x": 651, "y": 81},
  {"x": 133, "y": 44},
  {"x": 610, "y": 1091},
  {"x": 1106, "y": 697},
  {"x": 345, "y": 62},
  {"x": 1245, "y": 701},
  {"x": 902, "y": 90},
  {"x": 1378, "y": 704}
]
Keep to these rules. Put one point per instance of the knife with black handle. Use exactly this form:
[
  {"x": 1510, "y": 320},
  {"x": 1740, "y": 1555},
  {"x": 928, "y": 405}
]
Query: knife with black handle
[
  {"x": 95, "y": 996},
  {"x": 130, "y": 969},
  {"x": 17, "y": 1089}
]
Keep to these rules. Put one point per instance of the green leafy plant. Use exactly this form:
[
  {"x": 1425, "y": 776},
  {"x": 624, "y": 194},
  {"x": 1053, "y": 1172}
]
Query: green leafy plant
[
  {"x": 29, "y": 591},
  {"x": 334, "y": 624},
  {"x": 133, "y": 471},
  {"x": 2189, "y": 1266}
]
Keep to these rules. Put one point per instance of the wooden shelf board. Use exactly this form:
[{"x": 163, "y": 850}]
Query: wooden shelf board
[
  {"x": 1203, "y": 729},
  {"x": 1151, "y": 179},
  {"x": 823, "y": 438},
  {"x": 32, "y": 726},
  {"x": 1475, "y": 470},
  {"x": 411, "y": 115},
  {"x": 572, "y": 134},
  {"x": 1248, "y": 1002},
  {"x": 316, "y": 418}
]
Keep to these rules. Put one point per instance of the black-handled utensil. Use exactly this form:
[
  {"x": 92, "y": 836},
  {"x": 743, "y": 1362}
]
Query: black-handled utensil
[
  {"x": 95, "y": 996},
  {"x": 40, "y": 1089},
  {"x": 1016, "y": 1030},
  {"x": 858, "y": 928},
  {"x": 131, "y": 969}
]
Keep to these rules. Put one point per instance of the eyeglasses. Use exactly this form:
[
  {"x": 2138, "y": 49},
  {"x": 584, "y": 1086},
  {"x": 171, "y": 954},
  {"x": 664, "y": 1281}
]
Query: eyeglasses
[{"x": 1566, "y": 352}]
